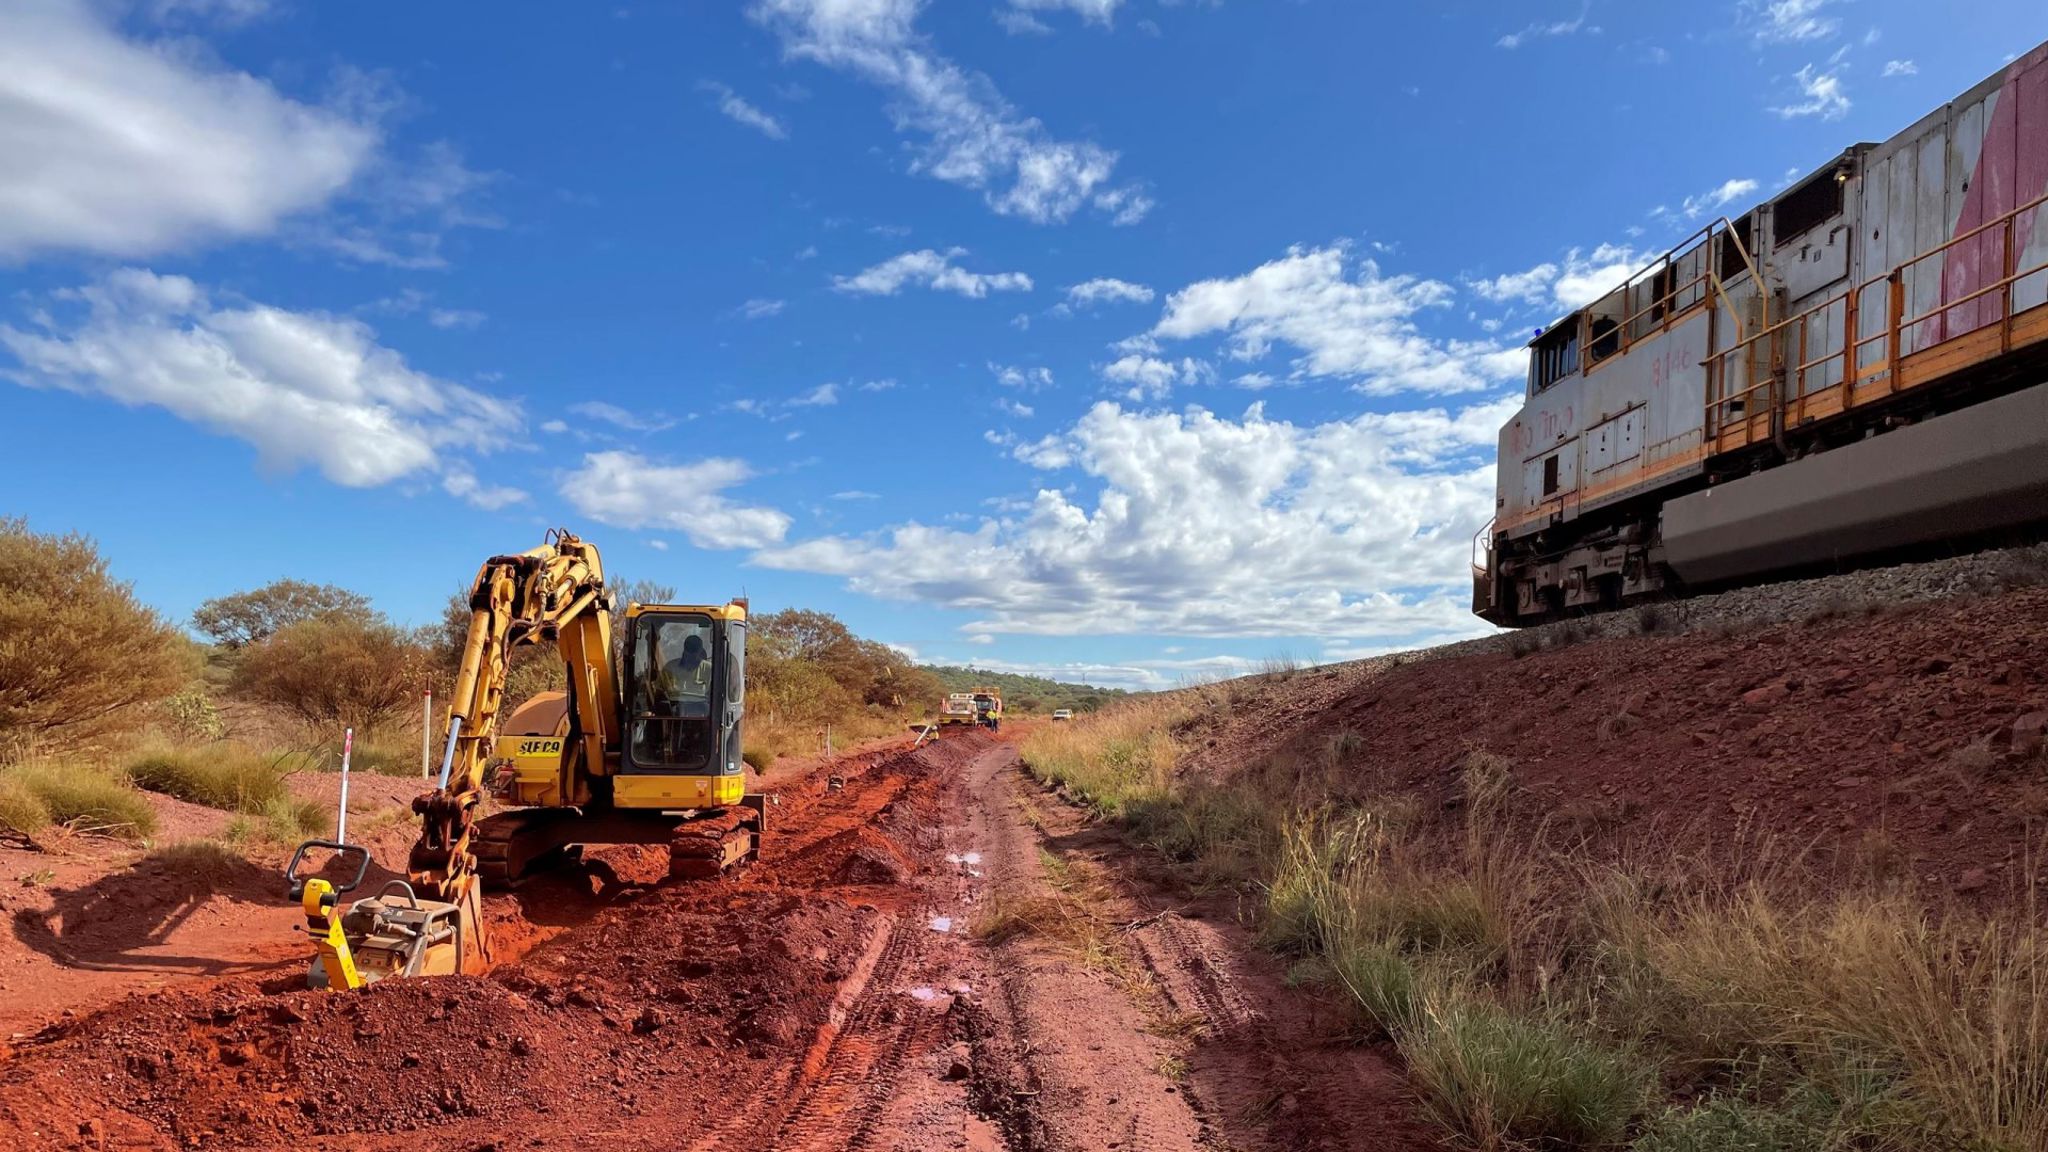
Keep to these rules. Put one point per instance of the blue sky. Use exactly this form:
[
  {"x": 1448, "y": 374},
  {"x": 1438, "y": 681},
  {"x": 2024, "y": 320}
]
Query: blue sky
[{"x": 1126, "y": 340}]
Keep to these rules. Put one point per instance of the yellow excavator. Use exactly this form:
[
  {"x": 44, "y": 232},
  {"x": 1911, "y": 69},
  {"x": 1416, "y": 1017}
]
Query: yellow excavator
[{"x": 643, "y": 748}]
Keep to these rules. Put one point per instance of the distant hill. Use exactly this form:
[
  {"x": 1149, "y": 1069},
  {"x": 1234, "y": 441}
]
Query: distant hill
[{"x": 1030, "y": 694}]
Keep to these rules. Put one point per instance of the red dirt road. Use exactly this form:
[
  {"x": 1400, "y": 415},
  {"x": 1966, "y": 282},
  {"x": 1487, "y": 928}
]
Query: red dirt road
[{"x": 828, "y": 997}]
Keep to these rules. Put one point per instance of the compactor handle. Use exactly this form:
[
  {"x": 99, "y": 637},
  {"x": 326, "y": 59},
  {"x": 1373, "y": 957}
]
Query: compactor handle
[{"x": 361, "y": 854}]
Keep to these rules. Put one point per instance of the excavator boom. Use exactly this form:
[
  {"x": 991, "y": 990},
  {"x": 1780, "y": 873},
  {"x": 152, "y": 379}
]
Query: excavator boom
[{"x": 554, "y": 593}]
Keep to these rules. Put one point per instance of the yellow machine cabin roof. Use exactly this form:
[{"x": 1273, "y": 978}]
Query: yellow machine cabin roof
[{"x": 733, "y": 610}]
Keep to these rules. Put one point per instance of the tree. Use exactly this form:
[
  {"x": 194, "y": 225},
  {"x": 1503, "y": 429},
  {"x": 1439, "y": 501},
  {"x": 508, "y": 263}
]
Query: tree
[
  {"x": 337, "y": 670},
  {"x": 248, "y": 617},
  {"x": 78, "y": 652}
]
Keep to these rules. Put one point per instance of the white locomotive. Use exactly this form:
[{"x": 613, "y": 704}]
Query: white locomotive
[{"x": 1857, "y": 366}]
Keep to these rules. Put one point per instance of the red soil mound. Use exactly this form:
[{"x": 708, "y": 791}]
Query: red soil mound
[{"x": 1904, "y": 740}]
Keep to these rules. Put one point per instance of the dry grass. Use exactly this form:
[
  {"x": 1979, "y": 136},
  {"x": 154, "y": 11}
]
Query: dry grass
[
  {"x": 37, "y": 794},
  {"x": 1673, "y": 1005},
  {"x": 224, "y": 776}
]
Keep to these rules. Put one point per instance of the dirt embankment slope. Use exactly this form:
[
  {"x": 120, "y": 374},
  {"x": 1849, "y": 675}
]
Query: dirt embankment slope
[{"x": 1906, "y": 740}]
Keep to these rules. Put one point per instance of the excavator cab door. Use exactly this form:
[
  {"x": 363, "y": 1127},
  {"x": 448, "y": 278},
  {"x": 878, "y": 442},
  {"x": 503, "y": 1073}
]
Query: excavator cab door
[{"x": 675, "y": 694}]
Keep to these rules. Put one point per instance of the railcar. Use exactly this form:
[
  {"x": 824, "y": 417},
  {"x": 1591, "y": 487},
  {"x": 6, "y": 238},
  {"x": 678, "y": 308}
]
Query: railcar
[{"x": 1857, "y": 366}]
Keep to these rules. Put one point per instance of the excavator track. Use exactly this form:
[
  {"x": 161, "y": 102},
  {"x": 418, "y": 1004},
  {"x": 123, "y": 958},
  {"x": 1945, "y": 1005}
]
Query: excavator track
[{"x": 511, "y": 847}]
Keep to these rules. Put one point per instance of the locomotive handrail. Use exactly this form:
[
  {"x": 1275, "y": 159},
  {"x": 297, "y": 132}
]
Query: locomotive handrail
[
  {"x": 1896, "y": 321},
  {"x": 1708, "y": 279}
]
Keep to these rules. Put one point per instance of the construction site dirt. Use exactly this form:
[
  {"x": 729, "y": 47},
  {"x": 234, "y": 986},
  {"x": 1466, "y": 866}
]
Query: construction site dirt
[{"x": 829, "y": 996}]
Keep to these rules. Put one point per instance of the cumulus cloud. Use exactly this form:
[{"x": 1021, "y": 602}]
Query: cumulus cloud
[
  {"x": 736, "y": 109},
  {"x": 1029, "y": 378},
  {"x": 1358, "y": 529},
  {"x": 759, "y": 309},
  {"x": 824, "y": 395},
  {"x": 1345, "y": 318},
  {"x": 970, "y": 135},
  {"x": 1824, "y": 96},
  {"x": 931, "y": 269},
  {"x": 122, "y": 148},
  {"x": 1107, "y": 290},
  {"x": 1900, "y": 68},
  {"x": 459, "y": 481},
  {"x": 302, "y": 388},
  {"x": 1150, "y": 378},
  {"x": 627, "y": 490},
  {"x": 1726, "y": 193}
]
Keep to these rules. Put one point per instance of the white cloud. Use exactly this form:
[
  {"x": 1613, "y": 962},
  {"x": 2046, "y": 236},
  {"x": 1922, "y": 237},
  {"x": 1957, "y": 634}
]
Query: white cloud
[
  {"x": 1789, "y": 21},
  {"x": 300, "y": 387},
  {"x": 627, "y": 490},
  {"x": 1151, "y": 378},
  {"x": 1107, "y": 290},
  {"x": 1358, "y": 326},
  {"x": 229, "y": 12},
  {"x": 930, "y": 269},
  {"x": 1588, "y": 277},
  {"x": 658, "y": 545},
  {"x": 824, "y": 395},
  {"x": 1031, "y": 378},
  {"x": 1093, "y": 11},
  {"x": 855, "y": 494},
  {"x": 1825, "y": 96},
  {"x": 982, "y": 638},
  {"x": 122, "y": 148},
  {"x": 1529, "y": 287},
  {"x": 621, "y": 418},
  {"x": 736, "y": 108},
  {"x": 971, "y": 135},
  {"x": 1728, "y": 192},
  {"x": 555, "y": 427},
  {"x": 1011, "y": 407},
  {"x": 759, "y": 309},
  {"x": 1900, "y": 68},
  {"x": 455, "y": 317},
  {"x": 397, "y": 212},
  {"x": 460, "y": 482},
  {"x": 1550, "y": 28},
  {"x": 879, "y": 386},
  {"x": 1020, "y": 23},
  {"x": 1202, "y": 525}
]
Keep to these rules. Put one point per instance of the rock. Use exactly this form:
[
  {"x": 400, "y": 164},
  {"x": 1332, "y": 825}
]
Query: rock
[
  {"x": 239, "y": 1054},
  {"x": 521, "y": 1046},
  {"x": 650, "y": 1020},
  {"x": 1972, "y": 880},
  {"x": 2029, "y": 732},
  {"x": 1852, "y": 781},
  {"x": 1936, "y": 664},
  {"x": 959, "y": 1062},
  {"x": 1766, "y": 696}
]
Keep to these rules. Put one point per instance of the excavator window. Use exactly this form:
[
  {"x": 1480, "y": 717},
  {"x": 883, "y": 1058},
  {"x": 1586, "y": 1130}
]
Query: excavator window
[{"x": 674, "y": 691}]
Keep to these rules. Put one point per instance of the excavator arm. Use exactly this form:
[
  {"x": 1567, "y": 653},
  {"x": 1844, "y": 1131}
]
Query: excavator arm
[{"x": 554, "y": 593}]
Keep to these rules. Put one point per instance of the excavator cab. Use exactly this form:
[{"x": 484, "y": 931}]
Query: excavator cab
[{"x": 685, "y": 707}]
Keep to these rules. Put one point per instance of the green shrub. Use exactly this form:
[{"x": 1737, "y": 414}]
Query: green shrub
[
  {"x": 218, "y": 776},
  {"x": 84, "y": 799},
  {"x": 1495, "y": 1076},
  {"x": 20, "y": 808},
  {"x": 1380, "y": 979},
  {"x": 192, "y": 715},
  {"x": 79, "y": 655}
]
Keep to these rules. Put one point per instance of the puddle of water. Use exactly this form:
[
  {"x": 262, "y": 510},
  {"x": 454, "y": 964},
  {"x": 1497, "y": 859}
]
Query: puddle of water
[
  {"x": 963, "y": 857},
  {"x": 923, "y": 995},
  {"x": 942, "y": 923}
]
